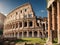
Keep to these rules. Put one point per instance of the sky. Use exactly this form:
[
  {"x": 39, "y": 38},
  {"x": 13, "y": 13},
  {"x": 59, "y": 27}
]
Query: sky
[{"x": 39, "y": 6}]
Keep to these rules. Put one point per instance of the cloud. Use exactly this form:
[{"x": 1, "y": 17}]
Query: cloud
[
  {"x": 5, "y": 14},
  {"x": 42, "y": 11}
]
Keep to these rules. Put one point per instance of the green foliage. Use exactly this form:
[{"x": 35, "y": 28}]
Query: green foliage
[{"x": 32, "y": 40}]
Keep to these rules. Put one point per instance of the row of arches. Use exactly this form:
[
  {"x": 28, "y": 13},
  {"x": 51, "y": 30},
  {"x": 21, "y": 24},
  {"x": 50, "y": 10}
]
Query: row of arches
[{"x": 26, "y": 34}]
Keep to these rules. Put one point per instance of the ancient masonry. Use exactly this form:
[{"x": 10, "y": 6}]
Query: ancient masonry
[
  {"x": 2, "y": 18},
  {"x": 53, "y": 20},
  {"x": 22, "y": 22}
]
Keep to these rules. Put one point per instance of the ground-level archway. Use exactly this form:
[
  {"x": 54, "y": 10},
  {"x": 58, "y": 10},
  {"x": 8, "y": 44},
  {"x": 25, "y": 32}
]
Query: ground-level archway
[
  {"x": 20, "y": 34},
  {"x": 25, "y": 34},
  {"x": 35, "y": 33},
  {"x": 30, "y": 34},
  {"x": 40, "y": 34}
]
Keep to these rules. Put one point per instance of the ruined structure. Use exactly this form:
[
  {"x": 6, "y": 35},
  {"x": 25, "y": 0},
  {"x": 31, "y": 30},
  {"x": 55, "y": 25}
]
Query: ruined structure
[
  {"x": 22, "y": 22},
  {"x": 53, "y": 20},
  {"x": 2, "y": 18}
]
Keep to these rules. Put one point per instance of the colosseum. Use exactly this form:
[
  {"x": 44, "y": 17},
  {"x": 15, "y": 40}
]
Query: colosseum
[{"x": 22, "y": 22}]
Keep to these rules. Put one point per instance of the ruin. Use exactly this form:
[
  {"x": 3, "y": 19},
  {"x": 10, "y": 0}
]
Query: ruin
[{"x": 53, "y": 21}]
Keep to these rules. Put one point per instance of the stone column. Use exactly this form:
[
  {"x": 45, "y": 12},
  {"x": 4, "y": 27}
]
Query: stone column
[
  {"x": 12, "y": 26},
  {"x": 49, "y": 25},
  {"x": 22, "y": 34},
  {"x": 32, "y": 33},
  {"x": 14, "y": 34},
  {"x": 33, "y": 23},
  {"x": 10, "y": 35},
  {"x": 15, "y": 25},
  {"x": 54, "y": 17},
  {"x": 27, "y": 34},
  {"x": 22, "y": 24},
  {"x": 18, "y": 24},
  {"x": 54, "y": 20},
  {"x": 18, "y": 35},
  {"x": 45, "y": 25},
  {"x": 58, "y": 20},
  {"x": 38, "y": 34},
  {"x": 27, "y": 24}
]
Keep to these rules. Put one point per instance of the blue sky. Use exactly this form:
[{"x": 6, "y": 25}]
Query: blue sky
[{"x": 39, "y": 6}]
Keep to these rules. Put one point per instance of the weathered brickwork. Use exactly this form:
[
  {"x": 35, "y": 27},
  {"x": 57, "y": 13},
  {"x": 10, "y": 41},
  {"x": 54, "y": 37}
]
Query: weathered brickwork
[
  {"x": 53, "y": 20},
  {"x": 22, "y": 22},
  {"x": 2, "y": 18}
]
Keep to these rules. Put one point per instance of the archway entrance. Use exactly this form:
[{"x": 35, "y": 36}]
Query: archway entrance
[
  {"x": 30, "y": 34},
  {"x": 35, "y": 34},
  {"x": 25, "y": 34},
  {"x": 20, "y": 34},
  {"x": 40, "y": 34}
]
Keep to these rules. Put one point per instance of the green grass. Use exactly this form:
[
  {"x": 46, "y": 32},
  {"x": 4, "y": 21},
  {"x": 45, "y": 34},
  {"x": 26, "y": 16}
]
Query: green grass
[
  {"x": 32, "y": 40},
  {"x": 55, "y": 44}
]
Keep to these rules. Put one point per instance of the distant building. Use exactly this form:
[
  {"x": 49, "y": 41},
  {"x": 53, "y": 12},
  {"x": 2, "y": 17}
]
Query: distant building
[
  {"x": 2, "y": 18},
  {"x": 22, "y": 22}
]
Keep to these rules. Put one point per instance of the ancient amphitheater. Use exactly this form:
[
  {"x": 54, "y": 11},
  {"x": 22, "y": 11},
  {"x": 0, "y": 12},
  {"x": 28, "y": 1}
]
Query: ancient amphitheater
[{"x": 22, "y": 22}]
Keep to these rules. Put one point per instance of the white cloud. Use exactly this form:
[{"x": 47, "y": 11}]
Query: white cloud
[
  {"x": 5, "y": 14},
  {"x": 42, "y": 11}
]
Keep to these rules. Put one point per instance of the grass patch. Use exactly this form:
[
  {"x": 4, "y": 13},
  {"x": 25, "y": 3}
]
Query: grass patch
[
  {"x": 55, "y": 44},
  {"x": 55, "y": 41},
  {"x": 32, "y": 40}
]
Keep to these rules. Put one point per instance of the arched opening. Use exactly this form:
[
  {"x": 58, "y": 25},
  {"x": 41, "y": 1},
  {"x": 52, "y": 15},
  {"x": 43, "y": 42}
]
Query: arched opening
[
  {"x": 13, "y": 34},
  {"x": 43, "y": 27},
  {"x": 35, "y": 34},
  {"x": 30, "y": 23},
  {"x": 25, "y": 24},
  {"x": 25, "y": 34},
  {"x": 46, "y": 34},
  {"x": 20, "y": 24},
  {"x": 40, "y": 34},
  {"x": 30, "y": 34},
  {"x": 20, "y": 34}
]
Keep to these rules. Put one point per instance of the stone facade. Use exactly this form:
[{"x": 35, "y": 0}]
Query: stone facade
[
  {"x": 2, "y": 18},
  {"x": 53, "y": 20},
  {"x": 22, "y": 22}
]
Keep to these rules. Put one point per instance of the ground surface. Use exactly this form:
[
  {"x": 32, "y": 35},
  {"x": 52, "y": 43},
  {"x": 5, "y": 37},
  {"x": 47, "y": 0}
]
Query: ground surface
[{"x": 32, "y": 40}]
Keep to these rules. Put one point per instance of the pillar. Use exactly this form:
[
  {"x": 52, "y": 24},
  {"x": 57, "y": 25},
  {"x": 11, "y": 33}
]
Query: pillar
[
  {"x": 58, "y": 20},
  {"x": 14, "y": 34},
  {"x": 38, "y": 34},
  {"x": 12, "y": 26},
  {"x": 32, "y": 33},
  {"x": 10, "y": 34},
  {"x": 18, "y": 35},
  {"x": 27, "y": 34},
  {"x": 18, "y": 24},
  {"x": 54, "y": 24},
  {"x": 22, "y": 34},
  {"x": 49, "y": 25},
  {"x": 22, "y": 24},
  {"x": 45, "y": 25},
  {"x": 27, "y": 24}
]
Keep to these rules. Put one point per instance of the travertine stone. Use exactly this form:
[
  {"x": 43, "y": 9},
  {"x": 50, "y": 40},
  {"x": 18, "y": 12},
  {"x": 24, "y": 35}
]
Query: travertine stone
[
  {"x": 58, "y": 20},
  {"x": 15, "y": 22}
]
